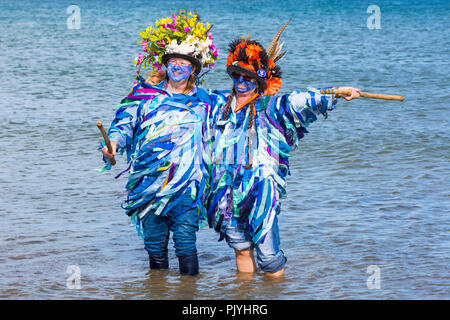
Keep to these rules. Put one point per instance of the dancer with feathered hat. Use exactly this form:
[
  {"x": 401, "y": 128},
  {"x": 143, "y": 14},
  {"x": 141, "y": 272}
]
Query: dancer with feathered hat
[{"x": 255, "y": 133}]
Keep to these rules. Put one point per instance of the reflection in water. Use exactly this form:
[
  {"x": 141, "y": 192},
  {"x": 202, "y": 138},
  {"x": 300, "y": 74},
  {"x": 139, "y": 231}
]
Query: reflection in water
[
  {"x": 245, "y": 276},
  {"x": 162, "y": 285}
]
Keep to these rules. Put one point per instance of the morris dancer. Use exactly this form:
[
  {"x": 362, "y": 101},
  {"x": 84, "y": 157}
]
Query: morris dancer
[
  {"x": 161, "y": 124},
  {"x": 255, "y": 132}
]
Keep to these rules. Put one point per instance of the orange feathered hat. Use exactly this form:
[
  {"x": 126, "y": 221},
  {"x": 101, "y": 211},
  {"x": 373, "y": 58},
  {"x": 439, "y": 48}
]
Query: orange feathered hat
[{"x": 249, "y": 57}]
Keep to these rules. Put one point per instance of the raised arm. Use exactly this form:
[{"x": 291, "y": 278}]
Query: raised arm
[{"x": 122, "y": 129}]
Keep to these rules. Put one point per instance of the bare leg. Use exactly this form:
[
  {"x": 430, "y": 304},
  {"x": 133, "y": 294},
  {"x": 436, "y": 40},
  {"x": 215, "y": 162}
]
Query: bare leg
[{"x": 245, "y": 261}]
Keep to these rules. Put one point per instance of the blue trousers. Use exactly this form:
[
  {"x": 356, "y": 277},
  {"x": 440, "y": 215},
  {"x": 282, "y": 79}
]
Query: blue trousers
[{"x": 184, "y": 229}]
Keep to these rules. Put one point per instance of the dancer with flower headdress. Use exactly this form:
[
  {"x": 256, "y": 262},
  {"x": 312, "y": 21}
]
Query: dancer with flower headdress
[
  {"x": 161, "y": 125},
  {"x": 255, "y": 132}
]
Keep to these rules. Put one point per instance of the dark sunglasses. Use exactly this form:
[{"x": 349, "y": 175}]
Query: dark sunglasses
[{"x": 238, "y": 75}]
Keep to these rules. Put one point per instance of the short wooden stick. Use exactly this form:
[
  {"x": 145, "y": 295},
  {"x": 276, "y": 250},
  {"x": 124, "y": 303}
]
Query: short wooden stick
[{"x": 107, "y": 141}]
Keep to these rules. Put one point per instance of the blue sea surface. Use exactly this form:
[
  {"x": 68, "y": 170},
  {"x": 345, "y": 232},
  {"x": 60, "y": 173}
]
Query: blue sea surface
[{"x": 367, "y": 208}]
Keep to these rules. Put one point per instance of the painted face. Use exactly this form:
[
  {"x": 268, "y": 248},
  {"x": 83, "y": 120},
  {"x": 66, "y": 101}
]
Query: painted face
[
  {"x": 243, "y": 84},
  {"x": 178, "y": 71}
]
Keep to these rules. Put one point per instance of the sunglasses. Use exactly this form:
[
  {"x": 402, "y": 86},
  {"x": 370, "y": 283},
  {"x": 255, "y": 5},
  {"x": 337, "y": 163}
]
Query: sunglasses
[{"x": 238, "y": 75}]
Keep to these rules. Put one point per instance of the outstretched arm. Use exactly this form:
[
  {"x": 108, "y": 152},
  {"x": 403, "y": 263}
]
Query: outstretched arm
[
  {"x": 316, "y": 102},
  {"x": 356, "y": 93},
  {"x": 296, "y": 111}
]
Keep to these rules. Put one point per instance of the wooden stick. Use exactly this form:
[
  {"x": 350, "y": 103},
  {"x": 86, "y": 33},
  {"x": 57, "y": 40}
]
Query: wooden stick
[
  {"x": 107, "y": 141},
  {"x": 363, "y": 94}
]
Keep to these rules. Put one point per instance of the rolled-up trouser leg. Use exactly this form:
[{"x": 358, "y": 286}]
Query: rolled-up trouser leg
[{"x": 268, "y": 253}]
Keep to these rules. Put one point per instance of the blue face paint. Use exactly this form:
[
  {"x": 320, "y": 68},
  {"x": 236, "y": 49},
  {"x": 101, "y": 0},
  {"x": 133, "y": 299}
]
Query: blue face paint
[
  {"x": 247, "y": 85},
  {"x": 178, "y": 73}
]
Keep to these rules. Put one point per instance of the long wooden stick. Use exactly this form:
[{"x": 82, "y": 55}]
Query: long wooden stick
[
  {"x": 363, "y": 94},
  {"x": 107, "y": 141}
]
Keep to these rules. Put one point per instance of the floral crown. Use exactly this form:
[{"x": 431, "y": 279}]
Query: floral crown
[{"x": 181, "y": 35}]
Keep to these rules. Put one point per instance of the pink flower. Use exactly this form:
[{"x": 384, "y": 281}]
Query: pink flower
[
  {"x": 161, "y": 43},
  {"x": 169, "y": 26},
  {"x": 139, "y": 59},
  {"x": 186, "y": 29},
  {"x": 215, "y": 52},
  {"x": 157, "y": 65}
]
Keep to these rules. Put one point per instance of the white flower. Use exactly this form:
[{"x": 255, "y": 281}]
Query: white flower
[
  {"x": 183, "y": 48},
  {"x": 192, "y": 46}
]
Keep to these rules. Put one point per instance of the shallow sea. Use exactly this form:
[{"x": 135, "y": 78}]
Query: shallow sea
[{"x": 369, "y": 190}]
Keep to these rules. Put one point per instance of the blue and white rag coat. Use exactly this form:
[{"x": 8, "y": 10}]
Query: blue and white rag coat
[
  {"x": 162, "y": 134},
  {"x": 251, "y": 196}
]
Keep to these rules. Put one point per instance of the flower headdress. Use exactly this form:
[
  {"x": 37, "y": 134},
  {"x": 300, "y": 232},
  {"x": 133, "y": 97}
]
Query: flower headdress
[
  {"x": 249, "y": 57},
  {"x": 181, "y": 35}
]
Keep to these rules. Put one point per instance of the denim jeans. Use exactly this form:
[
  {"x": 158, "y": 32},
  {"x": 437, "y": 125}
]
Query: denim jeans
[
  {"x": 184, "y": 227},
  {"x": 269, "y": 256}
]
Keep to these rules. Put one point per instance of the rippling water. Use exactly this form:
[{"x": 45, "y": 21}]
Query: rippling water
[{"x": 369, "y": 185}]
